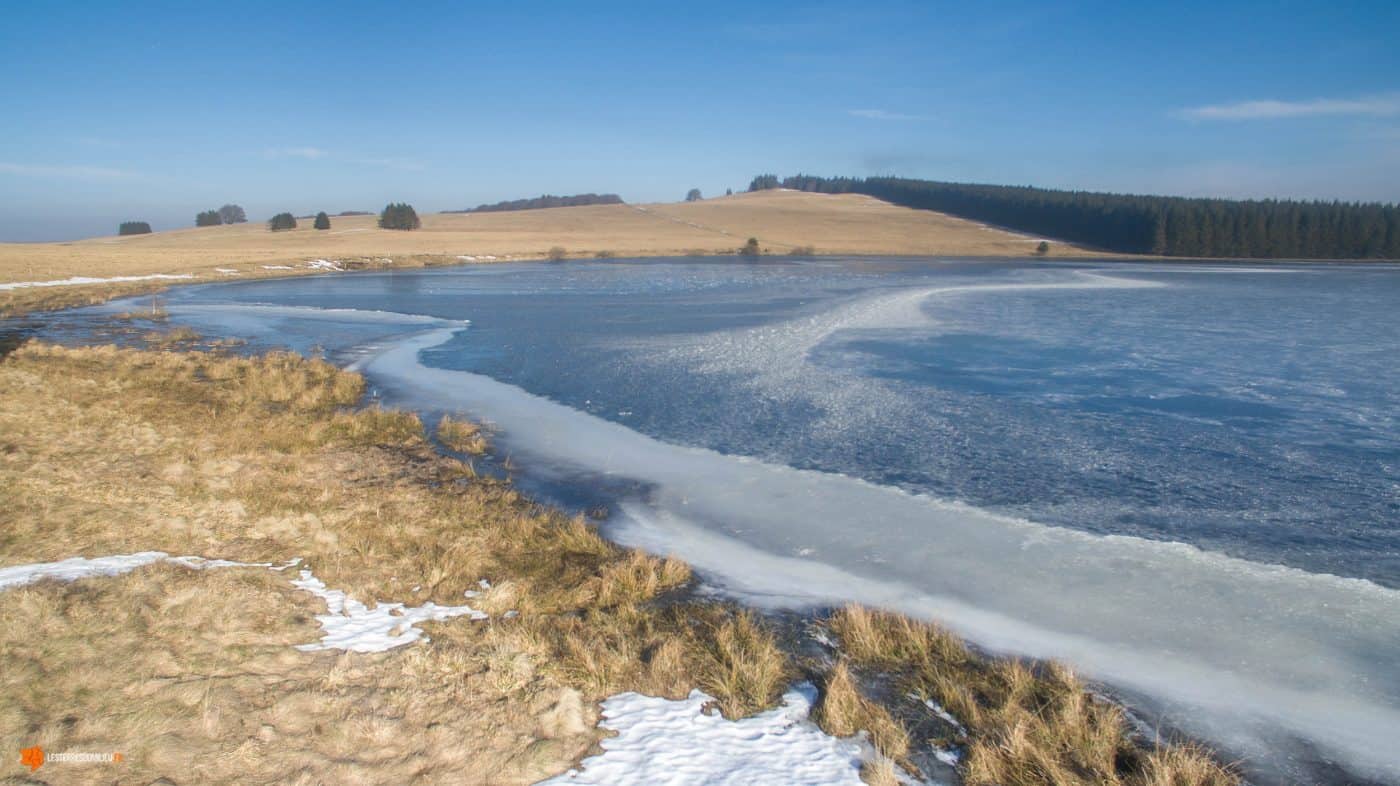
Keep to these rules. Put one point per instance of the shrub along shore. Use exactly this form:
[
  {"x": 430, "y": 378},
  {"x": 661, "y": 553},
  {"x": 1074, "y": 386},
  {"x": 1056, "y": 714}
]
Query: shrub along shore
[{"x": 190, "y": 450}]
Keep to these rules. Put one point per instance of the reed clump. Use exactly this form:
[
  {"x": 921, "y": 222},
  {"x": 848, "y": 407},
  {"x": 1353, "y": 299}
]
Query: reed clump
[
  {"x": 461, "y": 435},
  {"x": 1025, "y": 725}
]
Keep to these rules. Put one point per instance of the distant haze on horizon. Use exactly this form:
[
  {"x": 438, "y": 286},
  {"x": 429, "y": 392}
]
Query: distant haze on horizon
[{"x": 126, "y": 111}]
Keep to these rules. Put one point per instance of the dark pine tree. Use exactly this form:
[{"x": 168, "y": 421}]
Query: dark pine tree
[
  {"x": 133, "y": 228},
  {"x": 281, "y": 222},
  {"x": 323, "y": 221},
  {"x": 764, "y": 182},
  {"x": 208, "y": 218},
  {"x": 399, "y": 215}
]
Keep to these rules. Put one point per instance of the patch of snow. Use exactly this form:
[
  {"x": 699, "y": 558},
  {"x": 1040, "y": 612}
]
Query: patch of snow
[
  {"x": 76, "y": 568},
  {"x": 948, "y": 756},
  {"x": 278, "y": 267},
  {"x": 77, "y": 280},
  {"x": 353, "y": 626},
  {"x": 660, "y": 741},
  {"x": 484, "y": 584},
  {"x": 228, "y": 271},
  {"x": 466, "y": 257},
  {"x": 200, "y": 563},
  {"x": 324, "y": 264},
  {"x": 946, "y": 716}
]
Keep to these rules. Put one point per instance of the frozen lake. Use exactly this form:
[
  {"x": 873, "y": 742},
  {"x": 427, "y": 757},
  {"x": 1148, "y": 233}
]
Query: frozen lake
[{"x": 1182, "y": 479}]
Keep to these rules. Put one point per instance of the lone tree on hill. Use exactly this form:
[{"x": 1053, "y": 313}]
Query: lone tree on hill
[
  {"x": 693, "y": 195},
  {"x": 399, "y": 215},
  {"x": 750, "y": 248},
  {"x": 282, "y": 221},
  {"x": 729, "y": 192},
  {"x": 208, "y": 218},
  {"x": 134, "y": 228},
  {"x": 233, "y": 214},
  {"x": 323, "y": 221},
  {"x": 1042, "y": 249}
]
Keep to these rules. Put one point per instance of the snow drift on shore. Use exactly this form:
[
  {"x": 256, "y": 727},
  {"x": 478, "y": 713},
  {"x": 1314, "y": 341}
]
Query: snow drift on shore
[
  {"x": 76, "y": 568},
  {"x": 351, "y": 625},
  {"x": 660, "y": 741},
  {"x": 78, "y": 280}
]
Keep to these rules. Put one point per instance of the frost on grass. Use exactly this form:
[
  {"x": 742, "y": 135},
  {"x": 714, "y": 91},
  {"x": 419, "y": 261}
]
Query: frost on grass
[
  {"x": 661, "y": 741},
  {"x": 351, "y": 625},
  {"x": 76, "y": 568}
]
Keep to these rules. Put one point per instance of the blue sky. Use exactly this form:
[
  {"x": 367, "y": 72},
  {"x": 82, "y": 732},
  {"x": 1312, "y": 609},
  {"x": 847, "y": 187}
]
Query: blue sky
[{"x": 155, "y": 111}]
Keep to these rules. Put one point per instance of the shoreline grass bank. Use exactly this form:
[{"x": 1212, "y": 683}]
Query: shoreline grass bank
[{"x": 265, "y": 458}]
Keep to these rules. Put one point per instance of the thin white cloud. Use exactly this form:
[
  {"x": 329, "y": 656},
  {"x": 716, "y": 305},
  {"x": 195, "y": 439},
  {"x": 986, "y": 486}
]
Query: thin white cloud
[
  {"x": 1383, "y": 105},
  {"x": 317, "y": 154},
  {"x": 310, "y": 153},
  {"x": 389, "y": 163},
  {"x": 96, "y": 141},
  {"x": 77, "y": 172},
  {"x": 878, "y": 114}
]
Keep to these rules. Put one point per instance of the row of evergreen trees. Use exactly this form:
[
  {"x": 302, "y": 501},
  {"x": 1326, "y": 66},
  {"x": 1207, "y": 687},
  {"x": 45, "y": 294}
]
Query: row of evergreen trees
[
  {"x": 399, "y": 215},
  {"x": 1171, "y": 226},
  {"x": 228, "y": 214},
  {"x": 133, "y": 228},
  {"x": 547, "y": 200},
  {"x": 396, "y": 215}
]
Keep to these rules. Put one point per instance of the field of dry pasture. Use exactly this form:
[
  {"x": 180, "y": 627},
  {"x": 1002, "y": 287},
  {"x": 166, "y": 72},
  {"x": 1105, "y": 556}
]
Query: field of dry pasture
[{"x": 781, "y": 220}]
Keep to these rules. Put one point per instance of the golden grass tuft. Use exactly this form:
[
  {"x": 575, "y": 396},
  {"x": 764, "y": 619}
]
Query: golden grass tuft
[
  {"x": 843, "y": 711},
  {"x": 462, "y": 436},
  {"x": 166, "y": 339},
  {"x": 377, "y": 426},
  {"x": 743, "y": 667},
  {"x": 1026, "y": 725},
  {"x": 880, "y": 772}
]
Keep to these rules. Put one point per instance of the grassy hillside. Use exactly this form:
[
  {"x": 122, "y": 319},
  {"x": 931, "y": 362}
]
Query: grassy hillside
[{"x": 781, "y": 220}]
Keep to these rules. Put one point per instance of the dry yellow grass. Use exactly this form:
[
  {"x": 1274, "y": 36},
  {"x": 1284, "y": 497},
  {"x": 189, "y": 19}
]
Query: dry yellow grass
[
  {"x": 460, "y": 435},
  {"x": 106, "y": 451},
  {"x": 783, "y": 221},
  {"x": 1026, "y": 727},
  {"x": 844, "y": 711}
]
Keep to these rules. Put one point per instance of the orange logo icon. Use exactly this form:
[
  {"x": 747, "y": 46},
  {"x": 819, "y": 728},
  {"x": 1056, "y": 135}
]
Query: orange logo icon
[{"x": 33, "y": 758}]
